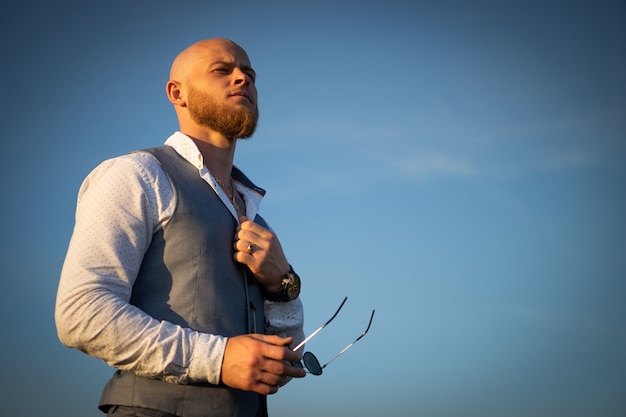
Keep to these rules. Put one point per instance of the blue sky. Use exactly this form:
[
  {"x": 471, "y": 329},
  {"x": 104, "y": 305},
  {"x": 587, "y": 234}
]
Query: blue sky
[{"x": 458, "y": 166}]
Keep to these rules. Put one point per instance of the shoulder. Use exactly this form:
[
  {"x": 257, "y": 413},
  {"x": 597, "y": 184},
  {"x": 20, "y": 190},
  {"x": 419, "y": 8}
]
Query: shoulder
[
  {"x": 137, "y": 164},
  {"x": 134, "y": 171}
]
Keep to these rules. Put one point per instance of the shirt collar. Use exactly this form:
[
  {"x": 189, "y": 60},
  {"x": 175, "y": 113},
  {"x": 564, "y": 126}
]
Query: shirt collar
[{"x": 187, "y": 148}]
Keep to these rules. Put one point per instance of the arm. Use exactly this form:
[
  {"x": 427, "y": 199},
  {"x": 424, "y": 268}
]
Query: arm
[
  {"x": 120, "y": 204},
  {"x": 269, "y": 264}
]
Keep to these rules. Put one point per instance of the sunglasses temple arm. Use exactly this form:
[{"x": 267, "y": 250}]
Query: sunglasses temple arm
[
  {"x": 350, "y": 345},
  {"x": 308, "y": 338},
  {"x": 321, "y": 327}
]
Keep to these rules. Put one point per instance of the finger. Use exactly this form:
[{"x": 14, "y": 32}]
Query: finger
[
  {"x": 245, "y": 239},
  {"x": 285, "y": 379},
  {"x": 277, "y": 372},
  {"x": 271, "y": 389},
  {"x": 269, "y": 338},
  {"x": 256, "y": 229},
  {"x": 246, "y": 224},
  {"x": 272, "y": 379},
  {"x": 251, "y": 248},
  {"x": 278, "y": 349},
  {"x": 293, "y": 371},
  {"x": 260, "y": 387},
  {"x": 245, "y": 246},
  {"x": 252, "y": 237}
]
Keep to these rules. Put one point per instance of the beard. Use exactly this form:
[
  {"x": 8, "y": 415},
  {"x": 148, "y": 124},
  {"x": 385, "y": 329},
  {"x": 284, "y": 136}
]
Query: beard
[{"x": 205, "y": 110}]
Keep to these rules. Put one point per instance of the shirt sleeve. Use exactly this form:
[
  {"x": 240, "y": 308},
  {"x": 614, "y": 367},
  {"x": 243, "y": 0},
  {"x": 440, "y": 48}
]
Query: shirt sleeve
[
  {"x": 120, "y": 205},
  {"x": 285, "y": 319}
]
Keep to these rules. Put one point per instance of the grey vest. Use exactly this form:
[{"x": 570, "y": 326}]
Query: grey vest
[{"x": 188, "y": 277}]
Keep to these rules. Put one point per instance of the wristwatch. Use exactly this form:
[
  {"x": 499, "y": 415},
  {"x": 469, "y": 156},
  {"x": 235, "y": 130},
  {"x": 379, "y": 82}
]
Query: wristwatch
[{"x": 289, "y": 288}]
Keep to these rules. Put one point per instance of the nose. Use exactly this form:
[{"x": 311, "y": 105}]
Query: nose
[{"x": 241, "y": 77}]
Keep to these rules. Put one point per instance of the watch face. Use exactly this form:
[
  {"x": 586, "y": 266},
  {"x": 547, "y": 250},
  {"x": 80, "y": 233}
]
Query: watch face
[{"x": 293, "y": 287}]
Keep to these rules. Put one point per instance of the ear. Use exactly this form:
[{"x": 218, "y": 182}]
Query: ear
[{"x": 174, "y": 93}]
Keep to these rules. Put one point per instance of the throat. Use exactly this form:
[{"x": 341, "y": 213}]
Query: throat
[{"x": 233, "y": 195}]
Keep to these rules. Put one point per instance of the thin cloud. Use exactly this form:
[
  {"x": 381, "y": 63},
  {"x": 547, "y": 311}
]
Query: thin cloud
[{"x": 423, "y": 164}]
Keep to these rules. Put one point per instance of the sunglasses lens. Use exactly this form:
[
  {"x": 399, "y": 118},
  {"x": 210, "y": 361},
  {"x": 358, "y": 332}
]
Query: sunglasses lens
[{"x": 312, "y": 364}]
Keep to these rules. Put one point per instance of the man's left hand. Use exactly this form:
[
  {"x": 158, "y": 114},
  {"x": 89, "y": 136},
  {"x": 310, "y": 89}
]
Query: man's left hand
[{"x": 259, "y": 249}]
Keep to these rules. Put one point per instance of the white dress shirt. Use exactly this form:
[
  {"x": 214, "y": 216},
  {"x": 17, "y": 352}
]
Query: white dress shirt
[{"x": 121, "y": 203}]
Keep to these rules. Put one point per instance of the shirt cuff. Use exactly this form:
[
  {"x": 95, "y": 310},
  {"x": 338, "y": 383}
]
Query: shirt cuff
[{"x": 207, "y": 357}]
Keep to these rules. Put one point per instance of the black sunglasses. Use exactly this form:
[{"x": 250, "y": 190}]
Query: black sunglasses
[{"x": 309, "y": 361}]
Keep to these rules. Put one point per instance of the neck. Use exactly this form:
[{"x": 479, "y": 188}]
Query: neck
[{"x": 218, "y": 156}]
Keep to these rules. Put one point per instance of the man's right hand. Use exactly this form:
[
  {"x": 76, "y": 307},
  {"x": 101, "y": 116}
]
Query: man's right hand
[{"x": 259, "y": 363}]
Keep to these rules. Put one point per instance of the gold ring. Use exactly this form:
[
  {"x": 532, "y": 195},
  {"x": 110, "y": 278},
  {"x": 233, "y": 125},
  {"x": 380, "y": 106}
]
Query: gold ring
[{"x": 250, "y": 248}]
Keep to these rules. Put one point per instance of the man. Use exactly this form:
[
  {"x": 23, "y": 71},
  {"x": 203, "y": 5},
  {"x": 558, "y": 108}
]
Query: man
[{"x": 171, "y": 276}]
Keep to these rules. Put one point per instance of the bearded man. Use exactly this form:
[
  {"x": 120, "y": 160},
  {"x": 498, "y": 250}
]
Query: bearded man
[{"x": 171, "y": 275}]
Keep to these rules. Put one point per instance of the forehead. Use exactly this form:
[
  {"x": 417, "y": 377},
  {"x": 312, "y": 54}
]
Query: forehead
[
  {"x": 198, "y": 57},
  {"x": 223, "y": 51}
]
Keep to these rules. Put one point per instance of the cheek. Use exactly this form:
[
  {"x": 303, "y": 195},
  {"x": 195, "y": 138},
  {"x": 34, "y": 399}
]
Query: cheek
[{"x": 253, "y": 92}]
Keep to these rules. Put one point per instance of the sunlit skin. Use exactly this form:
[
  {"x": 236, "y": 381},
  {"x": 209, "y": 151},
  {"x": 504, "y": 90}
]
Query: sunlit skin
[{"x": 211, "y": 84}]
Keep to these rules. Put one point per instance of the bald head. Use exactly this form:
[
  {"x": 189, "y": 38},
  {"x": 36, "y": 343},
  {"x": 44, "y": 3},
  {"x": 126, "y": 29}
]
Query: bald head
[{"x": 198, "y": 53}]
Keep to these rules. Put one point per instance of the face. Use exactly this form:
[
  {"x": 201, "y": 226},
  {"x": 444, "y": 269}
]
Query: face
[{"x": 221, "y": 94}]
